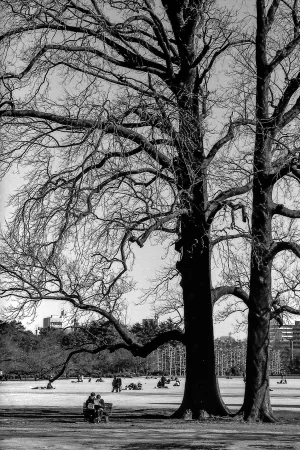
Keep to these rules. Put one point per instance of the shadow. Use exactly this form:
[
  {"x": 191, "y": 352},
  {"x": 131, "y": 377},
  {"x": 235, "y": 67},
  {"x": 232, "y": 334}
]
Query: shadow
[
  {"x": 173, "y": 446},
  {"x": 75, "y": 415}
]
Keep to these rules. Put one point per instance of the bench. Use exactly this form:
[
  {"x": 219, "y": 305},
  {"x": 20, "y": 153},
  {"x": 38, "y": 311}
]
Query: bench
[{"x": 106, "y": 412}]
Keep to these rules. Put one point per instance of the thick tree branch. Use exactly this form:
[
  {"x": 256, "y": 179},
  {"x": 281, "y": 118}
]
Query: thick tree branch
[
  {"x": 229, "y": 237},
  {"x": 132, "y": 60},
  {"x": 222, "y": 199},
  {"x": 291, "y": 114},
  {"x": 227, "y": 138},
  {"x": 271, "y": 13},
  {"x": 278, "y": 247},
  {"x": 284, "y": 211},
  {"x": 232, "y": 192},
  {"x": 279, "y": 111},
  {"x": 283, "y": 53},
  {"x": 83, "y": 124},
  {"x": 285, "y": 308},
  {"x": 159, "y": 222},
  {"x": 135, "y": 348},
  {"x": 221, "y": 291},
  {"x": 238, "y": 292},
  {"x": 37, "y": 295},
  {"x": 284, "y": 166}
]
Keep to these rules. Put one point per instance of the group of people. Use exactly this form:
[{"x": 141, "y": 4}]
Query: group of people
[
  {"x": 163, "y": 381},
  {"x": 94, "y": 408},
  {"x": 133, "y": 387},
  {"x": 116, "y": 384}
]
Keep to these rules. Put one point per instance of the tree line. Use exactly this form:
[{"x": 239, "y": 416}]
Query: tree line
[
  {"x": 26, "y": 354},
  {"x": 39, "y": 356},
  {"x": 174, "y": 122}
]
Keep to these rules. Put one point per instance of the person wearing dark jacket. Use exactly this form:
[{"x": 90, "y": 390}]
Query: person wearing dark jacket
[
  {"x": 119, "y": 384},
  {"x": 90, "y": 408},
  {"x": 114, "y": 384}
]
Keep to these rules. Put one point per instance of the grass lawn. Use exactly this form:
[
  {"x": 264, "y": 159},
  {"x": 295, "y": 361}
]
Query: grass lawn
[{"x": 36, "y": 419}]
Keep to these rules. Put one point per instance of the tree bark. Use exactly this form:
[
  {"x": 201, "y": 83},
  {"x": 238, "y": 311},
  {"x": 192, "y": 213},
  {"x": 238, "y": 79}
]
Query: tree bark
[
  {"x": 201, "y": 392},
  {"x": 201, "y": 388},
  {"x": 257, "y": 405}
]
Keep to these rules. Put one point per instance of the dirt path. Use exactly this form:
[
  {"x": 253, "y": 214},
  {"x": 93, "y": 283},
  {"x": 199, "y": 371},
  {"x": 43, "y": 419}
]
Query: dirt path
[{"x": 62, "y": 429}]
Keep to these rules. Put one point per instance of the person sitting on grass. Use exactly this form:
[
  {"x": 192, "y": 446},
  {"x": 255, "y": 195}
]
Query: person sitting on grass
[
  {"x": 283, "y": 378},
  {"x": 90, "y": 408},
  {"x": 177, "y": 382},
  {"x": 99, "y": 408}
]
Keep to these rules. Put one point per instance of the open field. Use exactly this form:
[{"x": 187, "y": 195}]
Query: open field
[{"x": 42, "y": 419}]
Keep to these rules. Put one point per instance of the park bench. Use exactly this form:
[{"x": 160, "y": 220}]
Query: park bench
[{"x": 106, "y": 411}]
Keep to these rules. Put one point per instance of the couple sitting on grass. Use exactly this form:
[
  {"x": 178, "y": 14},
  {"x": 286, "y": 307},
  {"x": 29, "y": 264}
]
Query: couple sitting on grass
[{"x": 94, "y": 408}]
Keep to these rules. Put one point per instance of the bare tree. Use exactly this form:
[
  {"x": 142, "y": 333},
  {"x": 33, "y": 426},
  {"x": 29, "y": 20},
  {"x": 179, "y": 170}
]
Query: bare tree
[
  {"x": 276, "y": 155},
  {"x": 108, "y": 105}
]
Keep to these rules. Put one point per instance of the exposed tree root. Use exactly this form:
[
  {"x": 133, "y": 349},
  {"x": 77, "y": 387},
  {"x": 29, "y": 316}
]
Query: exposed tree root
[
  {"x": 269, "y": 417},
  {"x": 266, "y": 416},
  {"x": 185, "y": 413},
  {"x": 182, "y": 413}
]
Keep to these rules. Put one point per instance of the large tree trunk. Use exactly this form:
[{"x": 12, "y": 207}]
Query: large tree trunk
[
  {"x": 201, "y": 388},
  {"x": 257, "y": 405},
  {"x": 257, "y": 399}
]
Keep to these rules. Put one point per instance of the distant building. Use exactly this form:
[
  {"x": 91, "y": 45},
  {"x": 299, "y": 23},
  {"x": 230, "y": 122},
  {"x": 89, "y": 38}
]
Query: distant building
[
  {"x": 296, "y": 335},
  {"x": 286, "y": 339},
  {"x": 150, "y": 322},
  {"x": 53, "y": 322},
  {"x": 295, "y": 343},
  {"x": 284, "y": 333}
]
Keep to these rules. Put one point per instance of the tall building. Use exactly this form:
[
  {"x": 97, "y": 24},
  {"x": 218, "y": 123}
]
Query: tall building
[
  {"x": 277, "y": 334},
  {"x": 296, "y": 334},
  {"x": 286, "y": 339},
  {"x": 295, "y": 343}
]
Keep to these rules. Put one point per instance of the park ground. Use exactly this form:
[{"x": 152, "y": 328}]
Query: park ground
[{"x": 44, "y": 420}]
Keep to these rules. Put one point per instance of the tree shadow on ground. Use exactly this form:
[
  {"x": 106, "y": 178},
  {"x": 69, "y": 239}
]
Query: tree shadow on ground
[
  {"x": 146, "y": 415},
  {"x": 75, "y": 414},
  {"x": 173, "y": 446}
]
